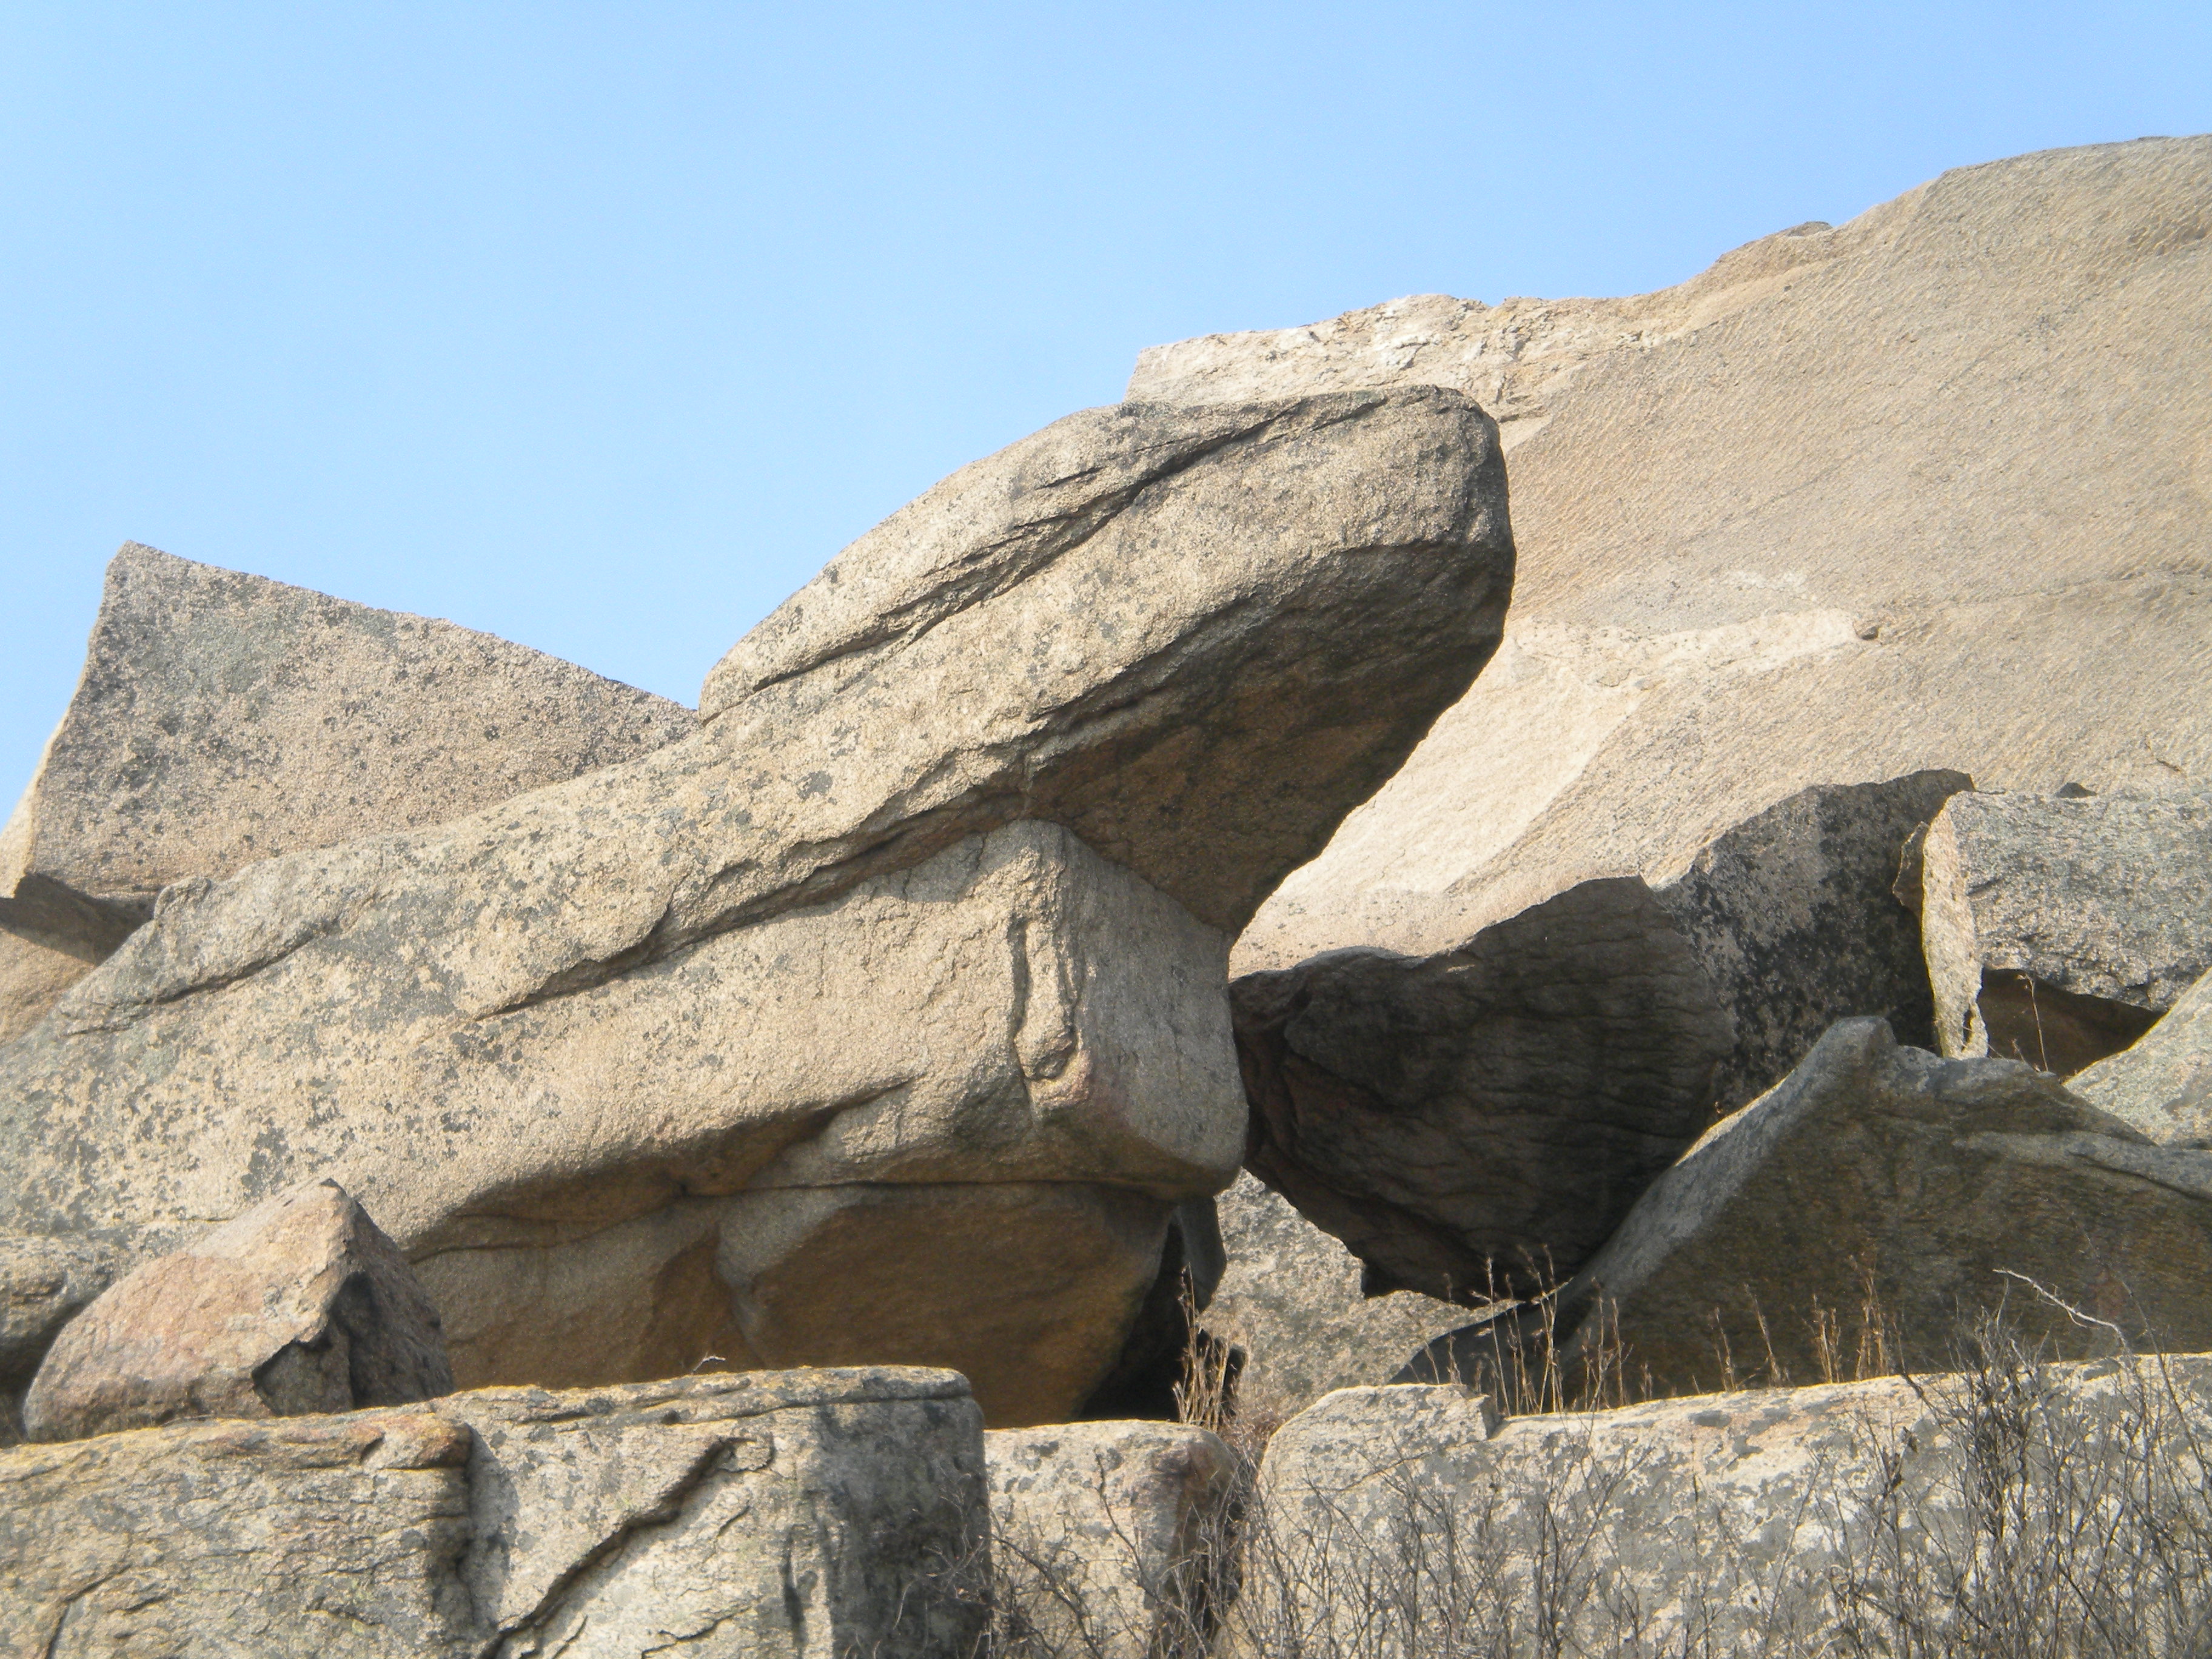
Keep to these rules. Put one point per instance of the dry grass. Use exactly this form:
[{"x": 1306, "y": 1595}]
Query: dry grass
[{"x": 2068, "y": 1523}]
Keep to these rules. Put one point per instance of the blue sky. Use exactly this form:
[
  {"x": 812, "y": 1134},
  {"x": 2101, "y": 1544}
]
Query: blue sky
[{"x": 601, "y": 327}]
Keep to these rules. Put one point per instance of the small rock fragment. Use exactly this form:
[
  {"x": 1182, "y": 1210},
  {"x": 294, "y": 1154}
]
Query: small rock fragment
[{"x": 301, "y": 1305}]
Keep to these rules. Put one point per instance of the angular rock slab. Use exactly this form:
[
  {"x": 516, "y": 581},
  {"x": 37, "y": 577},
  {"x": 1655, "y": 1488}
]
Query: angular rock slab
[
  {"x": 1107, "y": 1536},
  {"x": 2057, "y": 929},
  {"x": 1469, "y": 1140},
  {"x": 787, "y": 1514},
  {"x": 1473, "y": 1123},
  {"x": 552, "y": 1036},
  {"x": 300, "y": 1307},
  {"x": 1864, "y": 513},
  {"x": 2163, "y": 1085},
  {"x": 224, "y": 717},
  {"x": 1722, "y": 1519},
  {"x": 1941, "y": 1188},
  {"x": 1292, "y": 1301}
]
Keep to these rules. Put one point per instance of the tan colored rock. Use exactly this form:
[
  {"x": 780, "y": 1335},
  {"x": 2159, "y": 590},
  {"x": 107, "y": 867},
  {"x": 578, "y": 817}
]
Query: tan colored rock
[
  {"x": 1292, "y": 1299},
  {"x": 2057, "y": 929},
  {"x": 1922, "y": 490},
  {"x": 934, "y": 899},
  {"x": 44, "y": 1283},
  {"x": 2162, "y": 1085},
  {"x": 224, "y": 717},
  {"x": 300, "y": 1306},
  {"x": 1784, "y": 1520},
  {"x": 1107, "y": 1536},
  {"x": 810, "y": 1512},
  {"x": 1938, "y": 1187}
]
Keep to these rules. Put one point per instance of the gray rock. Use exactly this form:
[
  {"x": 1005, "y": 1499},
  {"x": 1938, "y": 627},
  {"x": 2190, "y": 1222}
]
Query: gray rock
[
  {"x": 1293, "y": 1302},
  {"x": 224, "y": 717},
  {"x": 301, "y": 1306},
  {"x": 936, "y": 898},
  {"x": 2057, "y": 929},
  {"x": 1107, "y": 1536},
  {"x": 1754, "y": 1521},
  {"x": 1863, "y": 513},
  {"x": 821, "y": 1512},
  {"x": 2163, "y": 1085},
  {"x": 1792, "y": 916},
  {"x": 1882, "y": 1177},
  {"x": 1473, "y": 1123}
]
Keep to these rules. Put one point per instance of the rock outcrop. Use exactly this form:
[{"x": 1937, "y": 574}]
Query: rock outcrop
[
  {"x": 300, "y": 1307},
  {"x": 2057, "y": 929},
  {"x": 818, "y": 1512},
  {"x": 2163, "y": 1085},
  {"x": 1476, "y": 1122},
  {"x": 1778, "y": 1520},
  {"x": 1107, "y": 1538},
  {"x": 1866, "y": 509},
  {"x": 1882, "y": 1186},
  {"x": 1293, "y": 1302},
  {"x": 224, "y": 717},
  {"x": 918, "y": 938}
]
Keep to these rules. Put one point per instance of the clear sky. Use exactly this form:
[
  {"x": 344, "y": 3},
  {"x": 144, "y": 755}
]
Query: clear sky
[{"x": 601, "y": 327}]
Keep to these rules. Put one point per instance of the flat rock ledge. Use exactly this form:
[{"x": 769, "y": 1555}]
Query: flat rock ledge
[{"x": 811, "y": 1511}]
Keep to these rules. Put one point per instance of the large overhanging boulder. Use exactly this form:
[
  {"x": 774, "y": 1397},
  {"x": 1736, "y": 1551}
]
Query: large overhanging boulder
[
  {"x": 933, "y": 912},
  {"x": 224, "y": 717}
]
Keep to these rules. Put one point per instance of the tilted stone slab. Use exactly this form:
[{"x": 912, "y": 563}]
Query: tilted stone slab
[
  {"x": 792, "y": 1513},
  {"x": 933, "y": 899},
  {"x": 301, "y": 1306},
  {"x": 2056, "y": 928},
  {"x": 1108, "y": 1537},
  {"x": 1937, "y": 1189},
  {"x": 224, "y": 717},
  {"x": 2162, "y": 1085}
]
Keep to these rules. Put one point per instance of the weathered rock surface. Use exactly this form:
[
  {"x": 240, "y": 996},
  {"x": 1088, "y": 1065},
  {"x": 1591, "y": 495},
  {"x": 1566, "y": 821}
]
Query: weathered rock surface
[
  {"x": 224, "y": 717},
  {"x": 2057, "y": 929},
  {"x": 1937, "y": 1187},
  {"x": 44, "y": 1283},
  {"x": 1292, "y": 1298},
  {"x": 1458, "y": 1119},
  {"x": 936, "y": 899},
  {"x": 1793, "y": 917},
  {"x": 1926, "y": 489},
  {"x": 2163, "y": 1085},
  {"x": 797, "y": 1513},
  {"x": 1105, "y": 1536},
  {"x": 1724, "y": 1518},
  {"x": 301, "y": 1306},
  {"x": 1477, "y": 1121}
]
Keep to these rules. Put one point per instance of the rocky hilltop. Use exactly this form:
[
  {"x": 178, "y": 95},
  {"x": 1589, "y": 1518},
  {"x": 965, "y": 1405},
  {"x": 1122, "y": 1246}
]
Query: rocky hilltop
[{"x": 1214, "y": 1041}]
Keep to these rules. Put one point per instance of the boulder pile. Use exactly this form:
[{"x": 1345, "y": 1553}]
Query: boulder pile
[{"x": 494, "y": 1162}]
